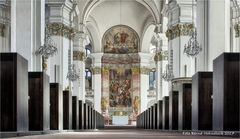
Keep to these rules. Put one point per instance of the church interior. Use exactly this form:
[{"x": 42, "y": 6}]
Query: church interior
[{"x": 119, "y": 69}]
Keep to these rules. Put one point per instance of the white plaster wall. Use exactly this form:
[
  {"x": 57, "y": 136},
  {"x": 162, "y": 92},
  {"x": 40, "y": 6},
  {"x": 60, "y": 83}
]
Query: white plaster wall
[
  {"x": 144, "y": 86},
  {"x": 219, "y": 29}
]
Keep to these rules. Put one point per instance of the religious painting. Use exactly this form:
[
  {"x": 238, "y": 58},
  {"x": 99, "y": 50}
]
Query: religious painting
[
  {"x": 120, "y": 39},
  {"x": 120, "y": 88}
]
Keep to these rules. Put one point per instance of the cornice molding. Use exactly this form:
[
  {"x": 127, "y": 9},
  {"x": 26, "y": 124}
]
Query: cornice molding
[
  {"x": 60, "y": 29},
  {"x": 182, "y": 29}
]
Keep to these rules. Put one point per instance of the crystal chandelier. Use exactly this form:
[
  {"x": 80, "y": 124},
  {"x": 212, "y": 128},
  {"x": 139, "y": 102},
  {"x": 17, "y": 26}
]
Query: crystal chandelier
[
  {"x": 72, "y": 73},
  {"x": 192, "y": 48},
  {"x": 168, "y": 74},
  {"x": 49, "y": 48}
]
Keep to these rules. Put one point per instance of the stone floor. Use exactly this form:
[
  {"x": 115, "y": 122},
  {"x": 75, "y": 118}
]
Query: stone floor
[{"x": 127, "y": 134}]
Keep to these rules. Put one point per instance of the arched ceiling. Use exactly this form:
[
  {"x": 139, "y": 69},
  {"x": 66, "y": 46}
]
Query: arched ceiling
[{"x": 100, "y": 15}]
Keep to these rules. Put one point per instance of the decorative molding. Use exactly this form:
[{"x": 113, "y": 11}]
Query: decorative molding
[
  {"x": 179, "y": 30},
  {"x": 59, "y": 29},
  {"x": 237, "y": 30},
  {"x": 78, "y": 55},
  {"x": 145, "y": 70},
  {"x": 160, "y": 56},
  {"x": 2, "y": 29},
  {"x": 96, "y": 70}
]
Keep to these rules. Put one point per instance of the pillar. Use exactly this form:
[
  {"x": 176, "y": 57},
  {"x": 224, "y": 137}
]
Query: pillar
[
  {"x": 27, "y": 31},
  {"x": 144, "y": 79},
  {"x": 161, "y": 59},
  {"x": 97, "y": 80},
  {"x": 180, "y": 28}
]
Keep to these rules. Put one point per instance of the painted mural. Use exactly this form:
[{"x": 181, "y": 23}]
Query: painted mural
[
  {"x": 120, "y": 40},
  {"x": 120, "y": 87}
]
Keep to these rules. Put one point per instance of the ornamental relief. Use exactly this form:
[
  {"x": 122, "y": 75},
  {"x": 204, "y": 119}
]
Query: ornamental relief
[
  {"x": 59, "y": 29},
  {"x": 78, "y": 55},
  {"x": 160, "y": 56},
  {"x": 2, "y": 29},
  {"x": 237, "y": 30},
  {"x": 179, "y": 30}
]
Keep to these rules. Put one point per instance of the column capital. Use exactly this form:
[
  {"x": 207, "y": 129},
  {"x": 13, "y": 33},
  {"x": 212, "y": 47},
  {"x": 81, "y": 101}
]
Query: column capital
[
  {"x": 145, "y": 70},
  {"x": 160, "y": 56},
  {"x": 181, "y": 29},
  {"x": 78, "y": 55},
  {"x": 60, "y": 29},
  {"x": 96, "y": 70}
]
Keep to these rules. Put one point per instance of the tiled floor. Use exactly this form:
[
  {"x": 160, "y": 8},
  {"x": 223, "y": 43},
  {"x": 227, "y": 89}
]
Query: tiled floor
[{"x": 124, "y": 134}]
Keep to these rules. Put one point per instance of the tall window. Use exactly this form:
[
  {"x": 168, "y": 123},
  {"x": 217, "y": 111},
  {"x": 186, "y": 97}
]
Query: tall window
[
  {"x": 88, "y": 77},
  {"x": 152, "y": 81}
]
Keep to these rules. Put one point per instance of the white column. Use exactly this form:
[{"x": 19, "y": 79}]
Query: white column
[
  {"x": 26, "y": 30},
  {"x": 161, "y": 59},
  {"x": 79, "y": 62},
  {"x": 97, "y": 80},
  {"x": 202, "y": 28},
  {"x": 218, "y": 29},
  {"x": 144, "y": 79},
  {"x": 59, "y": 25},
  {"x": 179, "y": 31}
]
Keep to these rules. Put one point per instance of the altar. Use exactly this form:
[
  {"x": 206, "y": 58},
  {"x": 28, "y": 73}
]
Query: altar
[{"x": 119, "y": 120}]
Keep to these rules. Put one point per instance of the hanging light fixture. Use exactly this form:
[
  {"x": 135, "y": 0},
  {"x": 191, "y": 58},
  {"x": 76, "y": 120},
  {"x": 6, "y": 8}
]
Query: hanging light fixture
[
  {"x": 168, "y": 73},
  {"x": 193, "y": 48},
  {"x": 72, "y": 73},
  {"x": 49, "y": 48}
]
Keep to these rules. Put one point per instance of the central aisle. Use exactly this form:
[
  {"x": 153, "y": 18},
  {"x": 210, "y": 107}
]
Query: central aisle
[{"x": 120, "y": 134}]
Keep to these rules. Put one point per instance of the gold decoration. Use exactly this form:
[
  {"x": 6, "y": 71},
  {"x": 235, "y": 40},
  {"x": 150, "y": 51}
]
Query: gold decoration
[
  {"x": 96, "y": 70},
  {"x": 59, "y": 29},
  {"x": 237, "y": 30},
  {"x": 163, "y": 55},
  {"x": 2, "y": 29},
  {"x": 104, "y": 103},
  {"x": 135, "y": 70},
  {"x": 78, "y": 55},
  {"x": 145, "y": 70},
  {"x": 179, "y": 30},
  {"x": 105, "y": 70}
]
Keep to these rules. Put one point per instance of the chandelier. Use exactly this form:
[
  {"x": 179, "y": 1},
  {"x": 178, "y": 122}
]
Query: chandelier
[
  {"x": 72, "y": 73},
  {"x": 192, "y": 48},
  {"x": 168, "y": 74},
  {"x": 49, "y": 48}
]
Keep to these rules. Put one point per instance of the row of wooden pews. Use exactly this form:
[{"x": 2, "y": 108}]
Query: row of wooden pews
[
  {"x": 30, "y": 103},
  {"x": 207, "y": 101}
]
